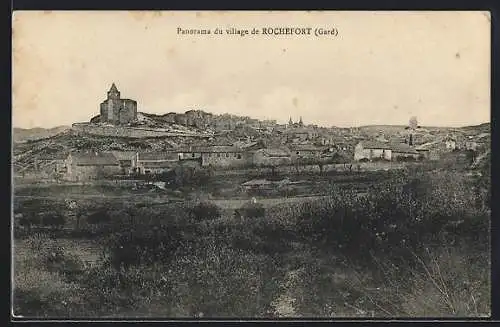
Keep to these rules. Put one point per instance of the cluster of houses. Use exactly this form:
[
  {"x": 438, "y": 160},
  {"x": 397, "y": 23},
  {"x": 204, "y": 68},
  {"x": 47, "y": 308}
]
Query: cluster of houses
[
  {"x": 469, "y": 143},
  {"x": 84, "y": 166}
]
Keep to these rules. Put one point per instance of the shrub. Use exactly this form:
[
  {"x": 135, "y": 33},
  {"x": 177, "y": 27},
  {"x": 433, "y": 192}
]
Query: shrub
[
  {"x": 54, "y": 220},
  {"x": 392, "y": 217},
  {"x": 143, "y": 245},
  {"x": 222, "y": 282},
  {"x": 28, "y": 220},
  {"x": 205, "y": 211},
  {"x": 252, "y": 210},
  {"x": 98, "y": 217}
]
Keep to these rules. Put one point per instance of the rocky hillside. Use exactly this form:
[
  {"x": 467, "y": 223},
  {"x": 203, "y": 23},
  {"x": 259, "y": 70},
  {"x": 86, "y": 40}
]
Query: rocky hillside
[{"x": 25, "y": 153}]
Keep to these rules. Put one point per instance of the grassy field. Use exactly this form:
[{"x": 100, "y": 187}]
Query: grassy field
[{"x": 416, "y": 245}]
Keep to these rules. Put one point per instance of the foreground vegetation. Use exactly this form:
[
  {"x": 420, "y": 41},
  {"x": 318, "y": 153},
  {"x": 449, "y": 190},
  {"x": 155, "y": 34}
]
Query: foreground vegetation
[{"x": 415, "y": 246}]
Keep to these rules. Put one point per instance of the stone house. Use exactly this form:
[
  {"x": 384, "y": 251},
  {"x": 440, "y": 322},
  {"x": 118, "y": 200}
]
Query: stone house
[
  {"x": 91, "y": 166},
  {"x": 52, "y": 165},
  {"x": 401, "y": 150},
  {"x": 306, "y": 151},
  {"x": 271, "y": 157},
  {"x": 156, "y": 162},
  {"x": 424, "y": 153},
  {"x": 222, "y": 156},
  {"x": 127, "y": 161},
  {"x": 188, "y": 153},
  {"x": 369, "y": 150},
  {"x": 300, "y": 134}
]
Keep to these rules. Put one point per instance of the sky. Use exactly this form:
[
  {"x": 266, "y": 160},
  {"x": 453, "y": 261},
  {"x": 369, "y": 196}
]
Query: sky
[{"x": 381, "y": 67}]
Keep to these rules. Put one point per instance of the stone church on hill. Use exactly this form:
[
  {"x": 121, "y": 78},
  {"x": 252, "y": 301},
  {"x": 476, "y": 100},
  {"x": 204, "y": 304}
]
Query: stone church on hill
[{"x": 118, "y": 111}]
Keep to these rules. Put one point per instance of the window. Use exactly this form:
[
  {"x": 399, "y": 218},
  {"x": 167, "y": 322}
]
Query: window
[
  {"x": 192, "y": 155},
  {"x": 298, "y": 153}
]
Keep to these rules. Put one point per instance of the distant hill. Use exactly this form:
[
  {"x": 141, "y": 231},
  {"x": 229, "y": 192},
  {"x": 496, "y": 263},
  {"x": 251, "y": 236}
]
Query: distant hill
[
  {"x": 30, "y": 134},
  {"x": 481, "y": 128}
]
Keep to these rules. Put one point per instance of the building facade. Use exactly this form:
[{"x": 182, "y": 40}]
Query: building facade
[
  {"x": 223, "y": 156},
  {"x": 156, "y": 162},
  {"x": 372, "y": 150},
  {"x": 271, "y": 157},
  {"x": 117, "y": 111},
  {"x": 366, "y": 150},
  {"x": 127, "y": 161},
  {"x": 91, "y": 166},
  {"x": 52, "y": 165},
  {"x": 306, "y": 151}
]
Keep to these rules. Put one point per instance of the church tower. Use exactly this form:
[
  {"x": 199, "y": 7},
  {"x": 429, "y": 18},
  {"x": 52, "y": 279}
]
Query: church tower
[
  {"x": 290, "y": 122},
  {"x": 116, "y": 110},
  {"x": 301, "y": 123},
  {"x": 113, "y": 92}
]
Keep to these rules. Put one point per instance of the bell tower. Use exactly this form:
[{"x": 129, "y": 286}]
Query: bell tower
[{"x": 113, "y": 92}]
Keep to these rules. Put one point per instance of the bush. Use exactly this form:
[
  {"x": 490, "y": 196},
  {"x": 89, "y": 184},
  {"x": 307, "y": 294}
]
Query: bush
[
  {"x": 54, "y": 220},
  {"x": 142, "y": 246},
  {"x": 98, "y": 217},
  {"x": 28, "y": 220},
  {"x": 406, "y": 159},
  {"x": 251, "y": 210},
  {"x": 394, "y": 217},
  {"x": 205, "y": 211}
]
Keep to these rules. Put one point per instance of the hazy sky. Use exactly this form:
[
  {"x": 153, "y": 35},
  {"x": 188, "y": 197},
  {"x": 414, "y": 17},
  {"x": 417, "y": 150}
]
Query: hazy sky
[{"x": 382, "y": 68}]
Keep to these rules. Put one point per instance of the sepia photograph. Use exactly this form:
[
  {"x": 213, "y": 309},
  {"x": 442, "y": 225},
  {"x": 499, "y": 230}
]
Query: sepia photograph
[{"x": 251, "y": 165}]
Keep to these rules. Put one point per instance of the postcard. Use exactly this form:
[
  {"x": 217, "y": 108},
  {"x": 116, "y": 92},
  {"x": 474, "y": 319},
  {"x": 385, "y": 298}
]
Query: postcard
[{"x": 243, "y": 165}]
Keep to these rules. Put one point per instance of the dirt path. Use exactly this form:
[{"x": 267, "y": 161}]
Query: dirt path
[
  {"x": 284, "y": 304},
  {"x": 133, "y": 198}
]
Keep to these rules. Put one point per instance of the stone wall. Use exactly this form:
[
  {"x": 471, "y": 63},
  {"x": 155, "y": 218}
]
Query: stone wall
[
  {"x": 88, "y": 173},
  {"x": 225, "y": 159},
  {"x": 124, "y": 131},
  {"x": 292, "y": 169}
]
